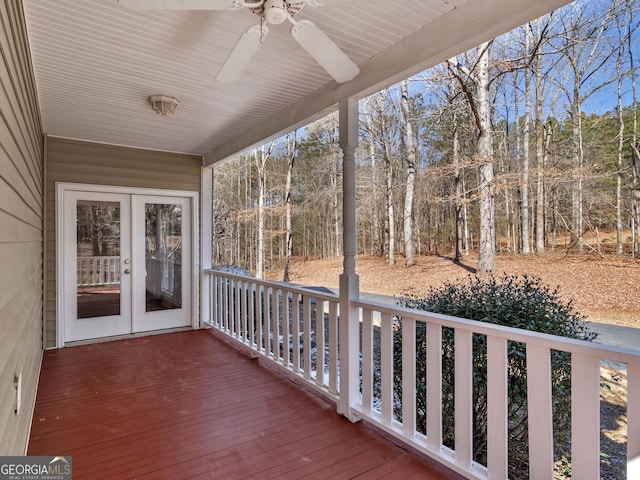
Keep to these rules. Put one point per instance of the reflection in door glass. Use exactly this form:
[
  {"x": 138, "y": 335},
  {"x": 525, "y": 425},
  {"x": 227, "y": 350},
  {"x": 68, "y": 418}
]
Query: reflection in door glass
[
  {"x": 98, "y": 258},
  {"x": 163, "y": 256}
]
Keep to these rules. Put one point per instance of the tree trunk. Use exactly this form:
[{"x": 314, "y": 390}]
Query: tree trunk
[
  {"x": 291, "y": 157},
  {"x": 540, "y": 151},
  {"x": 619, "y": 249},
  {"x": 457, "y": 181},
  {"x": 524, "y": 189},
  {"x": 390, "y": 222},
  {"x": 260, "y": 156},
  {"x": 635, "y": 244},
  {"x": 411, "y": 159},
  {"x": 578, "y": 159},
  {"x": 336, "y": 209},
  {"x": 377, "y": 247},
  {"x": 487, "y": 248},
  {"x": 390, "y": 235}
]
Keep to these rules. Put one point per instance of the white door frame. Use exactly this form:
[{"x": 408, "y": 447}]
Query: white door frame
[{"x": 61, "y": 188}]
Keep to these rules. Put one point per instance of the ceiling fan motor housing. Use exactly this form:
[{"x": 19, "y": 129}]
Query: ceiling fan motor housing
[{"x": 275, "y": 11}]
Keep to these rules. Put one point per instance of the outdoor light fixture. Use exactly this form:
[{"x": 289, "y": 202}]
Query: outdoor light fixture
[{"x": 163, "y": 104}]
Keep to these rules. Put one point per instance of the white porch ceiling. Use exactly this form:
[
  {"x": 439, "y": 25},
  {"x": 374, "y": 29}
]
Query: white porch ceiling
[{"x": 96, "y": 63}]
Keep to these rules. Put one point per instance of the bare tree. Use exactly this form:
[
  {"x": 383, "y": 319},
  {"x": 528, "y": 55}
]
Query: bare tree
[
  {"x": 524, "y": 188},
  {"x": 384, "y": 140},
  {"x": 583, "y": 35},
  {"x": 410, "y": 162},
  {"x": 480, "y": 105},
  {"x": 260, "y": 156},
  {"x": 291, "y": 157},
  {"x": 635, "y": 244},
  {"x": 377, "y": 243}
]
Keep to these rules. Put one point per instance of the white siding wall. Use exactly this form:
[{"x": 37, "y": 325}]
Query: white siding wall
[{"x": 21, "y": 229}]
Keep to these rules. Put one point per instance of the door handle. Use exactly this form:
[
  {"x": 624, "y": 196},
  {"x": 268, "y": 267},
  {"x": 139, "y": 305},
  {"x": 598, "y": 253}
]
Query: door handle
[
  {"x": 127, "y": 271},
  {"x": 127, "y": 261}
]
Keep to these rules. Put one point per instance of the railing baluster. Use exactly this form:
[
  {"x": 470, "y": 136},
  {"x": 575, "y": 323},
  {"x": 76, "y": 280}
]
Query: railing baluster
[
  {"x": 540, "y": 412},
  {"x": 94, "y": 271},
  {"x": 633, "y": 421},
  {"x": 333, "y": 347},
  {"x": 286, "y": 318},
  {"x": 320, "y": 342},
  {"x": 253, "y": 291},
  {"x": 277, "y": 319},
  {"x": 243, "y": 311},
  {"x": 259, "y": 313},
  {"x": 238, "y": 304},
  {"x": 213, "y": 303},
  {"x": 220, "y": 302},
  {"x": 227, "y": 313},
  {"x": 266, "y": 320},
  {"x": 386, "y": 366},
  {"x": 434, "y": 386},
  {"x": 306, "y": 335},
  {"x": 367, "y": 359},
  {"x": 464, "y": 397},
  {"x": 408, "y": 377},
  {"x": 295, "y": 332},
  {"x": 497, "y": 406},
  {"x": 585, "y": 417}
]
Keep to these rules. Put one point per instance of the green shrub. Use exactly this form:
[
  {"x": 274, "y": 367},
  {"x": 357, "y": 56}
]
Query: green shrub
[{"x": 520, "y": 302}]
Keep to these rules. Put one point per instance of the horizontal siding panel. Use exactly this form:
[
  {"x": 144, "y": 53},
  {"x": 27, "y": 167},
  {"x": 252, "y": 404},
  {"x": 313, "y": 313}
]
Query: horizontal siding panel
[
  {"x": 21, "y": 229},
  {"x": 107, "y": 175},
  {"x": 28, "y": 364},
  {"x": 18, "y": 230},
  {"x": 13, "y": 204},
  {"x": 12, "y": 170},
  {"x": 24, "y": 262},
  {"x": 20, "y": 338},
  {"x": 17, "y": 98},
  {"x": 14, "y": 129}
]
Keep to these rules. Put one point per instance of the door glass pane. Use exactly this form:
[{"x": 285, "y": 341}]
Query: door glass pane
[
  {"x": 163, "y": 256},
  {"x": 98, "y": 258}
]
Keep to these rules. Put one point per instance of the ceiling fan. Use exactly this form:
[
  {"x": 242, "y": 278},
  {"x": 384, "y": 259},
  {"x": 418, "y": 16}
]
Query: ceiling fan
[{"x": 317, "y": 44}]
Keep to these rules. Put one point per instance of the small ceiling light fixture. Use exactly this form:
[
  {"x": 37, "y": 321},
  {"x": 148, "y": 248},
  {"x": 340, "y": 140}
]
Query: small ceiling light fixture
[{"x": 164, "y": 104}]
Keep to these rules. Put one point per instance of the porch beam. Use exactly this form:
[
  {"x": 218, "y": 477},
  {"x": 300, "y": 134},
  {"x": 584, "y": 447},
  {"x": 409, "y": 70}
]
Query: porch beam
[
  {"x": 459, "y": 30},
  {"x": 349, "y": 281}
]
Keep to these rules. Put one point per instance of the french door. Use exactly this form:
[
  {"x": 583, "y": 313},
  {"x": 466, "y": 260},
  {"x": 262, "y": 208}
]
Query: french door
[{"x": 127, "y": 263}]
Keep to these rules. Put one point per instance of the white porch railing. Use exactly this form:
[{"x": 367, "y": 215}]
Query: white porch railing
[
  {"x": 296, "y": 328},
  {"x": 98, "y": 271},
  {"x": 269, "y": 317}
]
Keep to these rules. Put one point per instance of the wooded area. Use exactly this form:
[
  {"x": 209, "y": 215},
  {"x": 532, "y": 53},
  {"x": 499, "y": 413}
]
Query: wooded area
[{"x": 522, "y": 145}]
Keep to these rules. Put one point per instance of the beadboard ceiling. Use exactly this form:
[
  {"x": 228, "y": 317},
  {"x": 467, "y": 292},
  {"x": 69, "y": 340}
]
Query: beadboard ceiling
[{"x": 95, "y": 64}]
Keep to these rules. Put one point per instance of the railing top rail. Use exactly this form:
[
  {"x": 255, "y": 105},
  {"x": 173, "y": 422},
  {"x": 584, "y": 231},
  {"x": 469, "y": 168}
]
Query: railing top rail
[
  {"x": 289, "y": 287},
  {"x": 555, "y": 342}
]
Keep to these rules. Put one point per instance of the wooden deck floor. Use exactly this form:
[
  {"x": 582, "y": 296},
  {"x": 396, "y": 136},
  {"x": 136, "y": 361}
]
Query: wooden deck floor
[{"x": 186, "y": 405}]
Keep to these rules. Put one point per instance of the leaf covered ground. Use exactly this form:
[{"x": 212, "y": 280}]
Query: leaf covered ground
[{"x": 604, "y": 290}]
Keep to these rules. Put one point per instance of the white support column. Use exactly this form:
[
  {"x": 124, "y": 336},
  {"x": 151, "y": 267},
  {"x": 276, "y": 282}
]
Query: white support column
[
  {"x": 349, "y": 282},
  {"x": 206, "y": 239}
]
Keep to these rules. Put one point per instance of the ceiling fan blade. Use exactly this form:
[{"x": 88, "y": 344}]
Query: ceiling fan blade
[
  {"x": 242, "y": 53},
  {"x": 324, "y": 51},
  {"x": 177, "y": 4}
]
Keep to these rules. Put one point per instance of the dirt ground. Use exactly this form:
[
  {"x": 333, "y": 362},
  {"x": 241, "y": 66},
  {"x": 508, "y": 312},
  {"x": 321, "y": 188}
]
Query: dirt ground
[{"x": 604, "y": 290}]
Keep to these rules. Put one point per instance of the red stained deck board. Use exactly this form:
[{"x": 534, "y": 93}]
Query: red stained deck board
[{"x": 188, "y": 406}]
